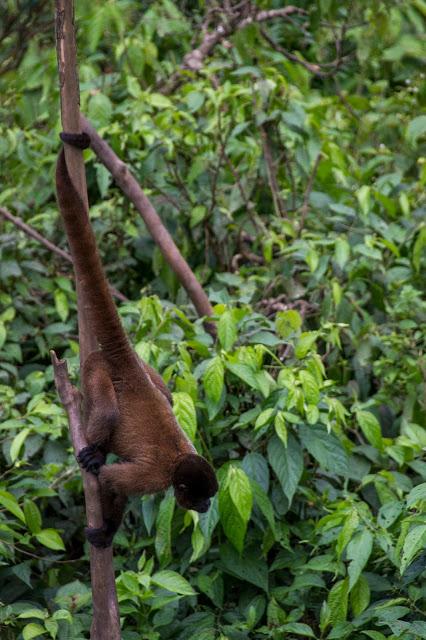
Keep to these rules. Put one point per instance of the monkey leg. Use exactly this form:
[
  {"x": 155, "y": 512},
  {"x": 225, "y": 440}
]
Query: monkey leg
[
  {"x": 101, "y": 413},
  {"x": 113, "y": 505},
  {"x": 116, "y": 481}
]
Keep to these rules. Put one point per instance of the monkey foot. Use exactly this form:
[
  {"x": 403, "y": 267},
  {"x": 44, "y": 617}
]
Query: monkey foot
[
  {"x": 91, "y": 459},
  {"x": 100, "y": 537}
]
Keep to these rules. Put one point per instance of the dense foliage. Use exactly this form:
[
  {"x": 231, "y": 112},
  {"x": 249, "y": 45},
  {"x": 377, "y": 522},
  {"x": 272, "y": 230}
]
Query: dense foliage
[{"x": 289, "y": 171}]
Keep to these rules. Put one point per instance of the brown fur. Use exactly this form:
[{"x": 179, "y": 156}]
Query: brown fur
[{"x": 127, "y": 406}]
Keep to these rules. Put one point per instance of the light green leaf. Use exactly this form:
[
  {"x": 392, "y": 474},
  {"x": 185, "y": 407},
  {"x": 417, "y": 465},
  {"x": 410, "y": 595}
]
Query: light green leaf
[
  {"x": 227, "y": 330},
  {"x": 371, "y": 428},
  {"x": 364, "y": 198},
  {"x": 287, "y": 463},
  {"x": 240, "y": 492},
  {"x": 310, "y": 387},
  {"x": 281, "y": 428},
  {"x": 232, "y": 523},
  {"x": 263, "y": 418},
  {"x": 9, "y": 502},
  {"x": 213, "y": 379},
  {"x": 50, "y": 538},
  {"x": 348, "y": 529},
  {"x": 32, "y": 630},
  {"x": 184, "y": 410},
  {"x": 173, "y": 582},
  {"x": 61, "y": 304},
  {"x": 342, "y": 251},
  {"x": 17, "y": 443},
  {"x": 288, "y": 322},
  {"x": 305, "y": 343}
]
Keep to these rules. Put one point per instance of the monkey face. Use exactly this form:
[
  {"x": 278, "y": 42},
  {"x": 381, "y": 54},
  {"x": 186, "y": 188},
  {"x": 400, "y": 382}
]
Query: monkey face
[{"x": 194, "y": 483}]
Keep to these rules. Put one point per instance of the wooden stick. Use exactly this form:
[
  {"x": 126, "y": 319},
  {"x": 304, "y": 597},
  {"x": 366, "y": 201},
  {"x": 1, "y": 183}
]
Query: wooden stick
[
  {"x": 106, "y": 619},
  {"x": 33, "y": 233}
]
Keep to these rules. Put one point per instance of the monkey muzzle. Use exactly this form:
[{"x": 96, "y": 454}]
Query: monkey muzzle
[{"x": 202, "y": 506}]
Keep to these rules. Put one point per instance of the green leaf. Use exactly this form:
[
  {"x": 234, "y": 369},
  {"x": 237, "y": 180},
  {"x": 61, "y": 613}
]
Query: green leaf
[
  {"x": 325, "y": 448},
  {"x": 338, "y": 601},
  {"x": 264, "y": 504},
  {"x": 417, "y": 494},
  {"x": 288, "y": 322},
  {"x": 184, "y": 410},
  {"x": 235, "y": 504},
  {"x": 17, "y": 443},
  {"x": 61, "y": 304},
  {"x": 416, "y": 129},
  {"x": 360, "y": 596},
  {"x": 364, "y": 198},
  {"x": 227, "y": 330},
  {"x": 173, "y": 582},
  {"x": 100, "y": 110},
  {"x": 3, "y": 334},
  {"x": 358, "y": 552},
  {"x": 249, "y": 567},
  {"x": 281, "y": 428},
  {"x": 263, "y": 418},
  {"x": 342, "y": 251},
  {"x": 50, "y": 538},
  {"x": 32, "y": 630},
  {"x": 9, "y": 502},
  {"x": 305, "y": 343},
  {"x": 163, "y": 542},
  {"x": 245, "y": 373},
  {"x": 371, "y": 428},
  {"x": 388, "y": 513},
  {"x": 415, "y": 540},
  {"x": 240, "y": 492},
  {"x": 213, "y": 379},
  {"x": 32, "y": 516},
  {"x": 348, "y": 529},
  {"x": 310, "y": 387},
  {"x": 299, "y": 628},
  {"x": 287, "y": 463}
]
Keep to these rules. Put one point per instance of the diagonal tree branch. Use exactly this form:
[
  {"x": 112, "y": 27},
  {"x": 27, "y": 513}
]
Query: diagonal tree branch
[
  {"x": 33, "y": 233},
  {"x": 130, "y": 187}
]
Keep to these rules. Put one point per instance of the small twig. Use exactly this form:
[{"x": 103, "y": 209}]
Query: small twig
[
  {"x": 279, "y": 205},
  {"x": 236, "y": 20},
  {"x": 305, "y": 206},
  {"x": 32, "y": 233}
]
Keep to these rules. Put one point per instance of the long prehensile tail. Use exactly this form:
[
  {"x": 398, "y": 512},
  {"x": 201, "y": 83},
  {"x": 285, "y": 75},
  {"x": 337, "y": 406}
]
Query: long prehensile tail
[{"x": 89, "y": 273}]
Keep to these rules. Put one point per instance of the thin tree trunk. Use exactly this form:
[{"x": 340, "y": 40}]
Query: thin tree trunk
[{"x": 106, "y": 619}]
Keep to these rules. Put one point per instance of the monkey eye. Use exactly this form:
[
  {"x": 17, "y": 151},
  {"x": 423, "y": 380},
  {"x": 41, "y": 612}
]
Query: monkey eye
[{"x": 183, "y": 487}]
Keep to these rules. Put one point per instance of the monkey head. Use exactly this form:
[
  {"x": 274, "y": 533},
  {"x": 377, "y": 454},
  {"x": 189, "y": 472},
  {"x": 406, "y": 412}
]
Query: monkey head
[{"x": 194, "y": 482}]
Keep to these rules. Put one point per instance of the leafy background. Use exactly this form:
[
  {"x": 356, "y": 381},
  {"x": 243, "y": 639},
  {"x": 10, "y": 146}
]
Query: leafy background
[{"x": 311, "y": 404}]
